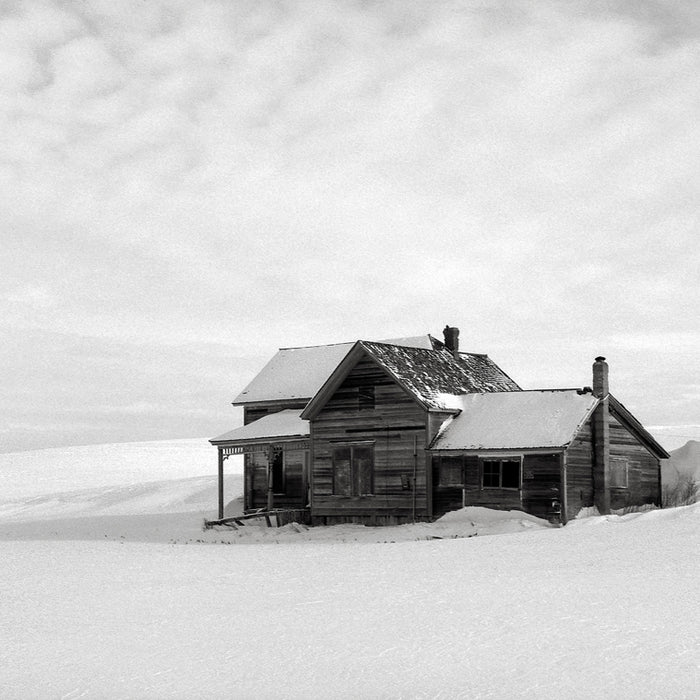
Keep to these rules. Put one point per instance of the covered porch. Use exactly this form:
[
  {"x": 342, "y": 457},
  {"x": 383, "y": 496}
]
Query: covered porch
[{"x": 275, "y": 450}]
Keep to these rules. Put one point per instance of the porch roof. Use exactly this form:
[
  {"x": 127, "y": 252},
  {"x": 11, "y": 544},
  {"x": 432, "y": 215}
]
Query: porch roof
[
  {"x": 513, "y": 420},
  {"x": 281, "y": 426}
]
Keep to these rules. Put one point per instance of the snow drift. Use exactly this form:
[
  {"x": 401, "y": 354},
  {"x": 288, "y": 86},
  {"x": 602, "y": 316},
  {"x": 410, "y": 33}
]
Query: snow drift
[{"x": 116, "y": 592}]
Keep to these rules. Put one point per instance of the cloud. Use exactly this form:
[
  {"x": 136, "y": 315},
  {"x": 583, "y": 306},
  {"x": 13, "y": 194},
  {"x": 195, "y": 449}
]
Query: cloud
[{"x": 212, "y": 171}]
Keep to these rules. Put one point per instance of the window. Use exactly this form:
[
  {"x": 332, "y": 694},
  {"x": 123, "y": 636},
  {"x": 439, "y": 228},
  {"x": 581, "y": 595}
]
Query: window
[
  {"x": 450, "y": 472},
  {"x": 366, "y": 398},
  {"x": 500, "y": 473},
  {"x": 353, "y": 470},
  {"x": 618, "y": 473},
  {"x": 277, "y": 467}
]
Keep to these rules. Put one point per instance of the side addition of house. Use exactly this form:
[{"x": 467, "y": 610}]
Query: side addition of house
[{"x": 408, "y": 429}]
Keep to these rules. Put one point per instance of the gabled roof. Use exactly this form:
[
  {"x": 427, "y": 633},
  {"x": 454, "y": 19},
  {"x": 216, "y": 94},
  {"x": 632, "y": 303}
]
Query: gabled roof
[
  {"x": 516, "y": 420},
  {"x": 281, "y": 425},
  {"x": 432, "y": 377},
  {"x": 625, "y": 417},
  {"x": 298, "y": 373}
]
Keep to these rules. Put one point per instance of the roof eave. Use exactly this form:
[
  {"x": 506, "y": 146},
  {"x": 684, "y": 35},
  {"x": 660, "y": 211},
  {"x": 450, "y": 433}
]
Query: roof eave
[
  {"x": 316, "y": 403},
  {"x": 271, "y": 402},
  {"x": 636, "y": 427},
  {"x": 543, "y": 449},
  {"x": 339, "y": 374},
  {"x": 259, "y": 441}
]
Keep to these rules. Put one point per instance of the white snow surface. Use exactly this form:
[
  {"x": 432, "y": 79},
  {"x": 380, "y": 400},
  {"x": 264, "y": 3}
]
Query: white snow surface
[
  {"x": 515, "y": 419},
  {"x": 115, "y": 591}
]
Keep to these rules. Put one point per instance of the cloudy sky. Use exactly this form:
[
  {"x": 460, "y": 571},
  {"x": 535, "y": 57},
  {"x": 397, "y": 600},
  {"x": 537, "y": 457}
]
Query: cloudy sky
[{"x": 187, "y": 186}]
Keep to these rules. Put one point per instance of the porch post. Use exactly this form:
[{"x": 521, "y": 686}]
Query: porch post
[
  {"x": 563, "y": 490},
  {"x": 270, "y": 494},
  {"x": 221, "y": 483}
]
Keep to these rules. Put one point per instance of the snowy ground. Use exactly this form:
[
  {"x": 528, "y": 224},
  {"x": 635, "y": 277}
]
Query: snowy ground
[{"x": 116, "y": 592}]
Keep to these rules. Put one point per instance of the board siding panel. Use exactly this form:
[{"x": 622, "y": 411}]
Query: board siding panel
[
  {"x": 255, "y": 466},
  {"x": 294, "y": 495},
  {"x": 253, "y": 413},
  {"x": 391, "y": 426},
  {"x": 643, "y": 469},
  {"x": 541, "y": 486},
  {"x": 579, "y": 471},
  {"x": 539, "y": 494}
]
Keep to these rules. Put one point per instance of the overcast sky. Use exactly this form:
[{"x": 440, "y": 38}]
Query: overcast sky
[{"x": 187, "y": 186}]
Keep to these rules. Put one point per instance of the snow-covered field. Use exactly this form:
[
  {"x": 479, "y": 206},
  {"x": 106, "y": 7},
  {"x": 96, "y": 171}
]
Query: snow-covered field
[{"x": 110, "y": 589}]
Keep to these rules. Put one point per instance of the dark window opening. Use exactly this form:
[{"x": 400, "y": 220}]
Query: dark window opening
[
  {"x": 353, "y": 470},
  {"x": 500, "y": 473},
  {"x": 277, "y": 466}
]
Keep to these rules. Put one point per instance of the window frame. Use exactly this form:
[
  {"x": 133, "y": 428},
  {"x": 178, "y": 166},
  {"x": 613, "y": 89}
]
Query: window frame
[
  {"x": 366, "y": 397},
  {"x": 619, "y": 462},
  {"x": 500, "y": 461},
  {"x": 357, "y": 484},
  {"x": 449, "y": 484}
]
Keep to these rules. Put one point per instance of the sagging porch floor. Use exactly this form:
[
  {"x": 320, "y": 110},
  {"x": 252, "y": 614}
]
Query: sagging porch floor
[{"x": 281, "y": 516}]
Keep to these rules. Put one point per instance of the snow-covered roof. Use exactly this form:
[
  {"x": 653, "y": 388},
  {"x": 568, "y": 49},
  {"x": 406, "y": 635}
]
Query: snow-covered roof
[
  {"x": 283, "y": 424},
  {"x": 298, "y": 373},
  {"x": 433, "y": 377},
  {"x": 515, "y": 420},
  {"x": 436, "y": 376}
]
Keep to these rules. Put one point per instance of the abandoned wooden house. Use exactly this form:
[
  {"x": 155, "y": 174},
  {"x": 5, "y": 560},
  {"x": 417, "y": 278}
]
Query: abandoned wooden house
[{"x": 408, "y": 429}]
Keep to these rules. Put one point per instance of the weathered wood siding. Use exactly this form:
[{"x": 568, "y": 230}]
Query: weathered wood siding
[
  {"x": 579, "y": 471},
  {"x": 255, "y": 466},
  {"x": 393, "y": 425},
  {"x": 642, "y": 468},
  {"x": 293, "y": 494},
  {"x": 540, "y": 487},
  {"x": 252, "y": 413}
]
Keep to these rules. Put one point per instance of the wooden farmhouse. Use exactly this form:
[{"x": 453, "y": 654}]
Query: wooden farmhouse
[{"x": 408, "y": 429}]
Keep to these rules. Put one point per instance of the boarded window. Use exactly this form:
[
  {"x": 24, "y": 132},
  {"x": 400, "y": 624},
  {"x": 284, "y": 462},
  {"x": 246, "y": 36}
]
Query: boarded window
[
  {"x": 366, "y": 396},
  {"x": 500, "y": 473},
  {"x": 619, "y": 469},
  {"x": 353, "y": 470},
  {"x": 450, "y": 472},
  {"x": 342, "y": 471}
]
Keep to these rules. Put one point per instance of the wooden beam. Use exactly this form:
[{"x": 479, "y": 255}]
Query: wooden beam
[
  {"x": 563, "y": 490},
  {"x": 221, "y": 483},
  {"x": 270, "y": 493}
]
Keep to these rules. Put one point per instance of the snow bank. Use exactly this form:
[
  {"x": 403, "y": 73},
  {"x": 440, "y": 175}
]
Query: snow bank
[
  {"x": 130, "y": 599},
  {"x": 96, "y": 466},
  {"x": 575, "y": 612}
]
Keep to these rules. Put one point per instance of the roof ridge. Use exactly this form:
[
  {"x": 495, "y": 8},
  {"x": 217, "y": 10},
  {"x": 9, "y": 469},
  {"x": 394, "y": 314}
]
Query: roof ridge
[
  {"x": 403, "y": 347},
  {"x": 577, "y": 389},
  {"x": 320, "y": 345}
]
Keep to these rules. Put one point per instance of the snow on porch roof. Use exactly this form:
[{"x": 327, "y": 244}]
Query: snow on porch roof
[
  {"x": 283, "y": 424},
  {"x": 298, "y": 373},
  {"x": 515, "y": 420}
]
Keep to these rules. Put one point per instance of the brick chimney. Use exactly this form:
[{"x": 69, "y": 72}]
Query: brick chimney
[
  {"x": 601, "y": 437},
  {"x": 452, "y": 340},
  {"x": 600, "y": 378}
]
